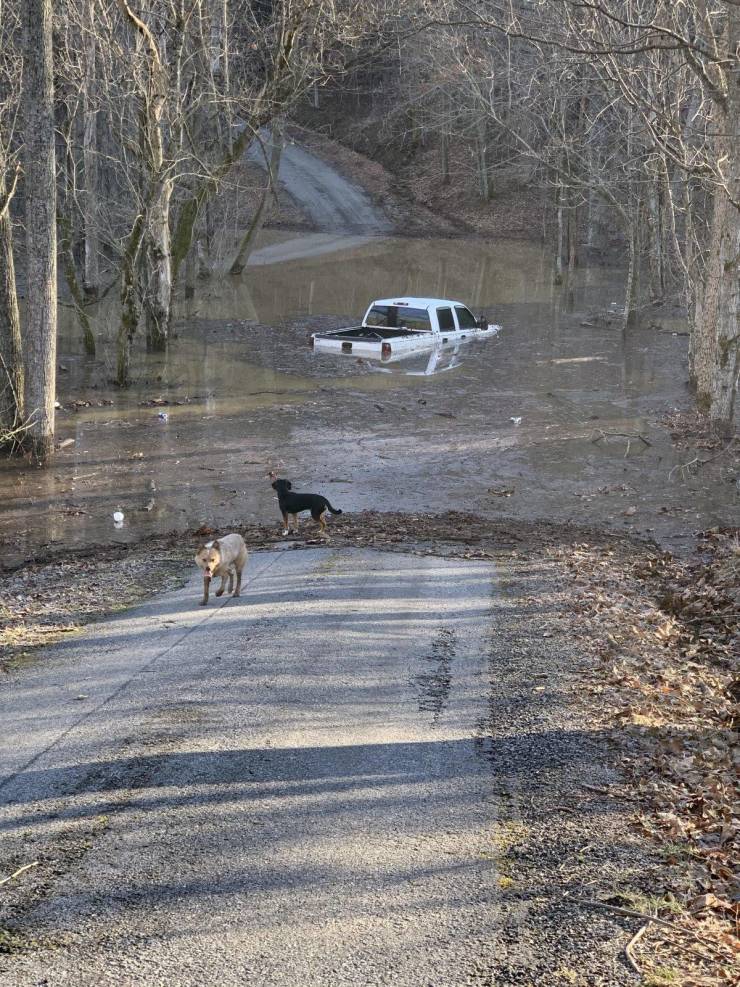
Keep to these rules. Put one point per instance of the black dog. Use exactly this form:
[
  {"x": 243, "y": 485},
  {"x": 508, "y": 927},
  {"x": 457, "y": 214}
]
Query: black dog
[{"x": 291, "y": 504}]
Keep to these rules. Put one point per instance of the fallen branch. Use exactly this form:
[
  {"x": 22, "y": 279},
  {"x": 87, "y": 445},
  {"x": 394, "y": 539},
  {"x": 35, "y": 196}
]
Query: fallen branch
[
  {"x": 699, "y": 463},
  {"x": 624, "y": 435},
  {"x": 628, "y": 948},
  {"x": 20, "y": 870},
  {"x": 607, "y": 791},
  {"x": 683, "y": 467},
  {"x": 633, "y": 913}
]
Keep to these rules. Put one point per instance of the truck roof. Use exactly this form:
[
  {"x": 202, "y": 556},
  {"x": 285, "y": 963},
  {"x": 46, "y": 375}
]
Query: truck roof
[{"x": 417, "y": 302}]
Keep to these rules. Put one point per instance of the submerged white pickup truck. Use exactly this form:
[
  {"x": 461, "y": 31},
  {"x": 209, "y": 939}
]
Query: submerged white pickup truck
[{"x": 393, "y": 327}]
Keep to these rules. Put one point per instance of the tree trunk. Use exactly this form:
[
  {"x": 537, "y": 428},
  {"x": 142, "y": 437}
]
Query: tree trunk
[
  {"x": 65, "y": 208},
  {"x": 70, "y": 274},
  {"x": 706, "y": 328},
  {"x": 444, "y": 156},
  {"x": 654, "y": 212},
  {"x": 560, "y": 234},
  {"x": 726, "y": 365},
  {"x": 190, "y": 267},
  {"x": 11, "y": 354},
  {"x": 572, "y": 239},
  {"x": 630, "y": 291},
  {"x": 158, "y": 294},
  {"x": 726, "y": 353},
  {"x": 90, "y": 202},
  {"x": 692, "y": 286},
  {"x": 41, "y": 256},
  {"x": 248, "y": 240},
  {"x": 483, "y": 178},
  {"x": 130, "y": 303}
]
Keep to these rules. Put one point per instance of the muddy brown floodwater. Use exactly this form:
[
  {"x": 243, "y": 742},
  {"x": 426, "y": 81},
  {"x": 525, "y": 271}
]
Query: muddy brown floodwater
[{"x": 557, "y": 418}]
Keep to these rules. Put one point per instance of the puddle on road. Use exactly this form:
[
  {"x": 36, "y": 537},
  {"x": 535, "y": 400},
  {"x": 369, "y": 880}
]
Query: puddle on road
[{"x": 244, "y": 392}]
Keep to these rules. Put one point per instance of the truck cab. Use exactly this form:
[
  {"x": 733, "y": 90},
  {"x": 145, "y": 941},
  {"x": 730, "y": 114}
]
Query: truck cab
[{"x": 435, "y": 315}]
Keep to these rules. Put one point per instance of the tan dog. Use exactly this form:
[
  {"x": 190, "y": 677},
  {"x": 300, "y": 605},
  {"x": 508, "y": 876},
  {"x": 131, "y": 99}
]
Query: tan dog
[{"x": 223, "y": 557}]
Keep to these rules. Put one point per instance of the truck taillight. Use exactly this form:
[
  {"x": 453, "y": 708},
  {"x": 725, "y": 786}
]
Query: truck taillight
[
  {"x": 310, "y": 340},
  {"x": 385, "y": 351}
]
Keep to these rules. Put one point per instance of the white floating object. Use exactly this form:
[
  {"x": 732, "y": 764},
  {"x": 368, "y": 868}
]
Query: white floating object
[
  {"x": 118, "y": 517},
  {"x": 517, "y": 421}
]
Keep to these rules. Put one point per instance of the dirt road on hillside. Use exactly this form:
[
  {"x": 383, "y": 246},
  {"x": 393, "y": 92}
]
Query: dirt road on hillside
[
  {"x": 341, "y": 211},
  {"x": 333, "y": 203}
]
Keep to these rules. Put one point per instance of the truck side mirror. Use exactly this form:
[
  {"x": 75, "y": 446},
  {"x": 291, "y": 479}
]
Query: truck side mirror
[{"x": 482, "y": 323}]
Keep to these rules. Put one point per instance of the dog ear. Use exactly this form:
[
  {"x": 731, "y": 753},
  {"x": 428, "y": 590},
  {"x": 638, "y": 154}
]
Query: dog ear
[
  {"x": 215, "y": 544},
  {"x": 199, "y": 549}
]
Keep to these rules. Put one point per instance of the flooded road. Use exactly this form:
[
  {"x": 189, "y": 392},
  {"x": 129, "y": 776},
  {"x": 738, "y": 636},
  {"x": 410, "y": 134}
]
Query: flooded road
[{"x": 556, "y": 418}]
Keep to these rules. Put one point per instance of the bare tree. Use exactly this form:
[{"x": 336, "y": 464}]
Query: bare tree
[
  {"x": 40, "y": 335},
  {"x": 11, "y": 354},
  {"x": 269, "y": 193}
]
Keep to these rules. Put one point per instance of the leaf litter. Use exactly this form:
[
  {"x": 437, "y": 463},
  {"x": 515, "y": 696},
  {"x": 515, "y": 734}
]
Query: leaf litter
[{"x": 663, "y": 634}]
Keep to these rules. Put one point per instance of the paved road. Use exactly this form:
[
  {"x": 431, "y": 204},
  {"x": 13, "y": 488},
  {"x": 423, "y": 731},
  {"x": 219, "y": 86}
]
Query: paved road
[{"x": 280, "y": 789}]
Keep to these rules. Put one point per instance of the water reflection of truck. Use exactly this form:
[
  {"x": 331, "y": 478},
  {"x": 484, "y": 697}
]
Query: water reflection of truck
[{"x": 393, "y": 327}]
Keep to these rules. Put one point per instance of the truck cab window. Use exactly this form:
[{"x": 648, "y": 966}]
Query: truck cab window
[
  {"x": 465, "y": 318},
  {"x": 446, "y": 322},
  {"x": 414, "y": 318}
]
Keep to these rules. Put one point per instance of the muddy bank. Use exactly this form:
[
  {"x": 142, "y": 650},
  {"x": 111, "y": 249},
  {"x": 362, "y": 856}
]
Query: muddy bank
[{"x": 62, "y": 588}]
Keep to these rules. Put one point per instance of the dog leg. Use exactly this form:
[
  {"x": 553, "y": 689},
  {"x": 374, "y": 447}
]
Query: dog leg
[
  {"x": 238, "y": 583},
  {"x": 220, "y": 590},
  {"x": 285, "y": 524},
  {"x": 322, "y": 525},
  {"x": 294, "y": 526},
  {"x": 206, "y": 587}
]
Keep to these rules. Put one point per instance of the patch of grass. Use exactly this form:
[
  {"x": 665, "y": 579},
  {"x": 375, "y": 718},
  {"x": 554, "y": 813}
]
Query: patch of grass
[
  {"x": 12, "y": 941},
  {"x": 19, "y": 661},
  {"x": 567, "y": 974},
  {"x": 650, "y": 904},
  {"x": 505, "y": 882},
  {"x": 679, "y": 851},
  {"x": 508, "y": 834},
  {"x": 659, "y": 976}
]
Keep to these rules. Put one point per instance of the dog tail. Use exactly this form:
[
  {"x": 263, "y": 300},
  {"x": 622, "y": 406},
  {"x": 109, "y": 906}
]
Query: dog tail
[{"x": 334, "y": 510}]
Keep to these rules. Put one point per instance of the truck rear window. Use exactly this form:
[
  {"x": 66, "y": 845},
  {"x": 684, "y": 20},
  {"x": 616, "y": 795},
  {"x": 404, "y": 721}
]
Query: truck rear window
[{"x": 394, "y": 317}]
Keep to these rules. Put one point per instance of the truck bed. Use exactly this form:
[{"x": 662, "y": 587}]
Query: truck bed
[{"x": 371, "y": 333}]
